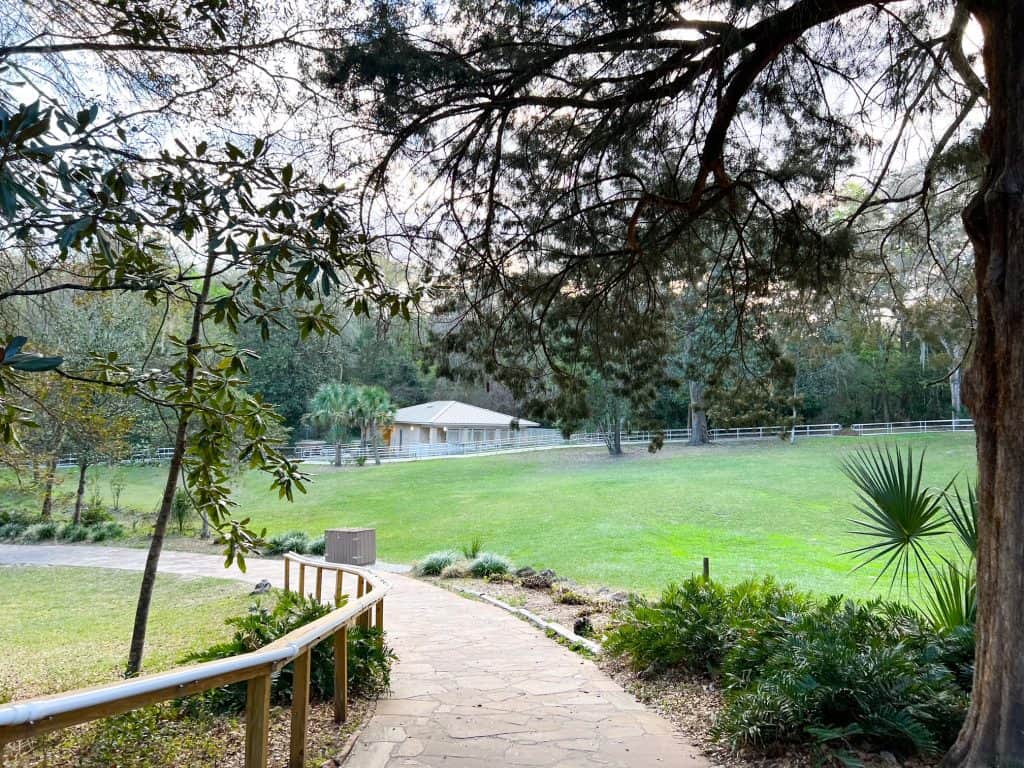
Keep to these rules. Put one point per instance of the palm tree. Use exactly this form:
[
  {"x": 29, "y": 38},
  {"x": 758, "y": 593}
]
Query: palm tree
[
  {"x": 375, "y": 410},
  {"x": 330, "y": 410},
  {"x": 901, "y": 520}
]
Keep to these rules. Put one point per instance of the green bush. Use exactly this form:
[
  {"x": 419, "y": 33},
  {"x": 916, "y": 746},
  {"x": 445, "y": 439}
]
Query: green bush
[
  {"x": 72, "y": 533},
  {"x": 12, "y": 530},
  {"x": 794, "y": 669},
  {"x": 293, "y": 541},
  {"x": 435, "y": 562},
  {"x": 369, "y": 659},
  {"x": 39, "y": 532},
  {"x": 693, "y": 624},
  {"x": 317, "y": 546},
  {"x": 489, "y": 564},
  {"x": 106, "y": 531},
  {"x": 842, "y": 672}
]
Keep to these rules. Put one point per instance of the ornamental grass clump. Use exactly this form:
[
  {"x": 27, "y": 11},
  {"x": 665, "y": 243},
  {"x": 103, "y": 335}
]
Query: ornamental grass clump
[
  {"x": 434, "y": 563},
  {"x": 489, "y": 564}
]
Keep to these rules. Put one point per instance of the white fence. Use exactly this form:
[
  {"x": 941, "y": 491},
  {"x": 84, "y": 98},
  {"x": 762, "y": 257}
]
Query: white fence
[
  {"x": 540, "y": 439},
  {"x": 913, "y": 427}
]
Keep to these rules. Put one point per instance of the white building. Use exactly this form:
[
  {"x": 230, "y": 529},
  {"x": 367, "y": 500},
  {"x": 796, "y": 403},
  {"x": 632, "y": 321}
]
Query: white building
[{"x": 449, "y": 421}]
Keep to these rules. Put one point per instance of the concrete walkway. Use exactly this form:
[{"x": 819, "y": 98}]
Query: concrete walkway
[{"x": 474, "y": 687}]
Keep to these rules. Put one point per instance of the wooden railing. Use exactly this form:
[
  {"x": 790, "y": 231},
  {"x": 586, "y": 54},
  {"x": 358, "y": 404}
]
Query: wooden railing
[{"x": 35, "y": 717}]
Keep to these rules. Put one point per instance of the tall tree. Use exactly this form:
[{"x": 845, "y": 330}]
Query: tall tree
[
  {"x": 538, "y": 118},
  {"x": 214, "y": 230}
]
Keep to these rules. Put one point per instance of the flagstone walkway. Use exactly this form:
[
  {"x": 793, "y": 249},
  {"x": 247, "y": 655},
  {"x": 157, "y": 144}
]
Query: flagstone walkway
[{"x": 474, "y": 687}]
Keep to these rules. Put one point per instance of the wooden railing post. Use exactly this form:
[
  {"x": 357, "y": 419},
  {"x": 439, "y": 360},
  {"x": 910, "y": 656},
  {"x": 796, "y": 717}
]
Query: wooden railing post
[
  {"x": 341, "y": 675},
  {"x": 337, "y": 588},
  {"x": 300, "y": 710},
  {"x": 319, "y": 583},
  {"x": 287, "y": 573},
  {"x": 379, "y": 622},
  {"x": 257, "y": 721},
  {"x": 302, "y": 579}
]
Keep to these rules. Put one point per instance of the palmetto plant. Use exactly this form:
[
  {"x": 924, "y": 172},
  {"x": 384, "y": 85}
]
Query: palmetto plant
[{"x": 903, "y": 520}]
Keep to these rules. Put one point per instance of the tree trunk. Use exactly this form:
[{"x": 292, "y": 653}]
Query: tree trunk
[
  {"x": 177, "y": 460},
  {"x": 956, "y": 405},
  {"x": 204, "y": 532},
  {"x": 51, "y": 477},
  {"x": 76, "y": 516},
  {"x": 337, "y": 452},
  {"x": 373, "y": 438},
  {"x": 993, "y": 733},
  {"x": 698, "y": 416}
]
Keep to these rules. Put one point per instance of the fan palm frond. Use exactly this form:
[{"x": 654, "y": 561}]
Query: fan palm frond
[
  {"x": 898, "y": 513},
  {"x": 963, "y": 514}
]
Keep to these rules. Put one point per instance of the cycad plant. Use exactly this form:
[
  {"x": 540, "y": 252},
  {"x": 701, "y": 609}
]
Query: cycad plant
[{"x": 904, "y": 520}]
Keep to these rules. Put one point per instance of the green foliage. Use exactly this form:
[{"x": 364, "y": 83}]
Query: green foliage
[
  {"x": 798, "y": 670},
  {"x": 182, "y": 510},
  {"x": 840, "y": 672},
  {"x": 489, "y": 564},
  {"x": 71, "y": 533},
  {"x": 473, "y": 548},
  {"x": 694, "y": 624},
  {"x": 13, "y": 530},
  {"x": 317, "y": 546},
  {"x": 951, "y": 601},
  {"x": 903, "y": 519},
  {"x": 435, "y": 562},
  {"x": 369, "y": 659},
  {"x": 293, "y": 541},
  {"x": 898, "y": 514},
  {"x": 39, "y": 532}
]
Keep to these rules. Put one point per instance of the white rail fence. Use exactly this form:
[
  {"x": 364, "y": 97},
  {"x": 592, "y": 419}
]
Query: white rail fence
[
  {"x": 913, "y": 427},
  {"x": 541, "y": 439}
]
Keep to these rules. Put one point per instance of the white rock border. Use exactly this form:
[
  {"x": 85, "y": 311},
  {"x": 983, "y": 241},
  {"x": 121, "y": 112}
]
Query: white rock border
[{"x": 551, "y": 626}]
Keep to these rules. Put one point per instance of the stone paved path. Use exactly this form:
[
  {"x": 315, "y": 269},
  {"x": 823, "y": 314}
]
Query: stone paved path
[{"x": 474, "y": 687}]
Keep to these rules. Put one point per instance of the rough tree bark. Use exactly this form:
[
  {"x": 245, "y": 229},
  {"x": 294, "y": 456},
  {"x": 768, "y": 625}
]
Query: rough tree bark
[
  {"x": 76, "y": 516},
  {"x": 993, "y": 733},
  {"x": 698, "y": 416},
  {"x": 174, "y": 471}
]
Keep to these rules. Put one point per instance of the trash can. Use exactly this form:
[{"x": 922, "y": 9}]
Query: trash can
[{"x": 351, "y": 546}]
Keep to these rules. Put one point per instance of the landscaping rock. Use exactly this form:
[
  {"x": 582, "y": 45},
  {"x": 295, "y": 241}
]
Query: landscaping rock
[
  {"x": 542, "y": 580},
  {"x": 619, "y": 597},
  {"x": 525, "y": 572}
]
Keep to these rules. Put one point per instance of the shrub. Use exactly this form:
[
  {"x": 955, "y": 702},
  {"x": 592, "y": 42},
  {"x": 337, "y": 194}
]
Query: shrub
[
  {"x": 317, "y": 547},
  {"x": 693, "y": 624},
  {"x": 182, "y": 509},
  {"x": 39, "y": 532},
  {"x": 293, "y": 541},
  {"x": 435, "y": 562},
  {"x": 369, "y": 659},
  {"x": 72, "y": 532},
  {"x": 12, "y": 530},
  {"x": 842, "y": 671},
  {"x": 489, "y": 564},
  {"x": 106, "y": 531}
]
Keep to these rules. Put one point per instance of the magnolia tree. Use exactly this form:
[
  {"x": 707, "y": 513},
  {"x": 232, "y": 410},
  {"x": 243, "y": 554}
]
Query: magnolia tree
[
  {"x": 214, "y": 232},
  {"x": 579, "y": 145}
]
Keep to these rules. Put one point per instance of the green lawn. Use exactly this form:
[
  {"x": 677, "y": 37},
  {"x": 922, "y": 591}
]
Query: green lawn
[
  {"x": 67, "y": 627},
  {"x": 634, "y": 522}
]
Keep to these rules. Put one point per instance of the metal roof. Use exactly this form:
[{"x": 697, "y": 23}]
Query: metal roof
[{"x": 454, "y": 413}]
